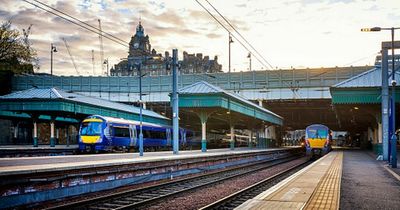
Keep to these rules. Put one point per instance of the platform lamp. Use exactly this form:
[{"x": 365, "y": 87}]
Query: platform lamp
[
  {"x": 138, "y": 66},
  {"x": 53, "y": 49},
  {"x": 393, "y": 104},
  {"x": 249, "y": 57},
  {"x": 229, "y": 43},
  {"x": 106, "y": 62}
]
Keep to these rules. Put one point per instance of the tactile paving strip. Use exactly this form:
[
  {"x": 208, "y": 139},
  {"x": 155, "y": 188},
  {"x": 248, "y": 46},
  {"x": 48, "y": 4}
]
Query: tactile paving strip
[{"x": 327, "y": 193}]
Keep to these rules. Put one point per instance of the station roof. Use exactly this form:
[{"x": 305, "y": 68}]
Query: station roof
[
  {"x": 364, "y": 88},
  {"x": 370, "y": 78},
  {"x": 67, "y": 102},
  {"x": 205, "y": 95},
  {"x": 357, "y": 100}
]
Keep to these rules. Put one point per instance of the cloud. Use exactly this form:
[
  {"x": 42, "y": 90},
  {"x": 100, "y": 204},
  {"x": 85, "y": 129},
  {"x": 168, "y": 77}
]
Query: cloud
[
  {"x": 186, "y": 26},
  {"x": 240, "y": 5},
  {"x": 213, "y": 35},
  {"x": 341, "y": 1},
  {"x": 394, "y": 16}
]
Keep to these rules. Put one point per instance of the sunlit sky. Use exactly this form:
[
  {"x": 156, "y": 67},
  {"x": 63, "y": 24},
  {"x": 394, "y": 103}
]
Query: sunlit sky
[{"x": 291, "y": 33}]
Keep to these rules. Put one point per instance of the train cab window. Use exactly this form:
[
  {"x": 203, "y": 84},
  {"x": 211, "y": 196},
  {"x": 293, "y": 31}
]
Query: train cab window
[
  {"x": 121, "y": 132},
  {"x": 317, "y": 133},
  {"x": 91, "y": 129}
]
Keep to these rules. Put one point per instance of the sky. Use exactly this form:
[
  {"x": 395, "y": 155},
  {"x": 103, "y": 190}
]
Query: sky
[{"x": 287, "y": 33}]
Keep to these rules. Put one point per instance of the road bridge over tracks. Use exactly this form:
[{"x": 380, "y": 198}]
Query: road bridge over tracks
[{"x": 301, "y": 96}]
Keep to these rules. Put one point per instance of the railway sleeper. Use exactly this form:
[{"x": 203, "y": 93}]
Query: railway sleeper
[
  {"x": 122, "y": 202},
  {"x": 112, "y": 205}
]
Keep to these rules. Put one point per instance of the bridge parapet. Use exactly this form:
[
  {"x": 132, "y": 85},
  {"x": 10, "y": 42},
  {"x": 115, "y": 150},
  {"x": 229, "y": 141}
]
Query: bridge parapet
[{"x": 265, "y": 85}]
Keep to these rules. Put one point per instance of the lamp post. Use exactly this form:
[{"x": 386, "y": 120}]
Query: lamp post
[
  {"x": 52, "y": 49},
  {"x": 249, "y": 57},
  {"x": 106, "y": 62},
  {"x": 393, "y": 104},
  {"x": 138, "y": 66},
  {"x": 229, "y": 43}
]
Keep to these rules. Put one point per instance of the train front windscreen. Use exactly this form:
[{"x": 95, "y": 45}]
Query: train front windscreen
[
  {"x": 91, "y": 129},
  {"x": 317, "y": 133}
]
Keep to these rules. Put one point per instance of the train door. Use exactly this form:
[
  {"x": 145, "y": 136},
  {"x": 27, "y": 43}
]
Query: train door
[
  {"x": 132, "y": 135},
  {"x": 183, "y": 136},
  {"x": 168, "y": 130}
]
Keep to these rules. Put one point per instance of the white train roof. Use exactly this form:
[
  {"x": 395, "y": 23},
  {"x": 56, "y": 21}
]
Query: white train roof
[{"x": 124, "y": 121}]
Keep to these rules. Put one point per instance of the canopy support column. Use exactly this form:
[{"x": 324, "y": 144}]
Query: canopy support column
[
  {"x": 232, "y": 142},
  {"x": 35, "y": 132},
  {"x": 203, "y": 115},
  {"x": 52, "y": 139},
  {"x": 15, "y": 134},
  {"x": 251, "y": 139}
]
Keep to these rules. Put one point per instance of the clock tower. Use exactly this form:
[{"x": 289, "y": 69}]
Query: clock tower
[{"x": 139, "y": 44}]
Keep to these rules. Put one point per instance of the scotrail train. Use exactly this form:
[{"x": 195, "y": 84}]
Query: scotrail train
[
  {"x": 318, "y": 140},
  {"x": 99, "y": 133}
]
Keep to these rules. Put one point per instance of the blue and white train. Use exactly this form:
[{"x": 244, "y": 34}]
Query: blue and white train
[{"x": 99, "y": 133}]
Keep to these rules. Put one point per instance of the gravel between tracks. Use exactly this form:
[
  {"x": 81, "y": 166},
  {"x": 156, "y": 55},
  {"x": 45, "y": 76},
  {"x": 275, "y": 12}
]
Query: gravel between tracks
[{"x": 199, "y": 198}]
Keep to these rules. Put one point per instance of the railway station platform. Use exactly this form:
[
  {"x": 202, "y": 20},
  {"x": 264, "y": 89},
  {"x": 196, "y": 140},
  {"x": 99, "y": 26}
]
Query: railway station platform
[
  {"x": 34, "y": 179},
  {"x": 40, "y": 150},
  {"x": 348, "y": 179}
]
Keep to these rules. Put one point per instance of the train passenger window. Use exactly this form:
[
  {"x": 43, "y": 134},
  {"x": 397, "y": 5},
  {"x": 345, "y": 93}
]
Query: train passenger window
[
  {"x": 151, "y": 134},
  {"x": 121, "y": 132}
]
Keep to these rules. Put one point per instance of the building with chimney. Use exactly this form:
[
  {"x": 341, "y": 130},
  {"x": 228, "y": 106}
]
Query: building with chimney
[{"x": 153, "y": 63}]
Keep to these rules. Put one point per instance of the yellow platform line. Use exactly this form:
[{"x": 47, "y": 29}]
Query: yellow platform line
[{"x": 327, "y": 193}]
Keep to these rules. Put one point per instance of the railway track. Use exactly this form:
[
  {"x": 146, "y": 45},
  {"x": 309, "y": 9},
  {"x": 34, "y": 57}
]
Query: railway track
[
  {"x": 238, "y": 198},
  {"x": 140, "y": 198}
]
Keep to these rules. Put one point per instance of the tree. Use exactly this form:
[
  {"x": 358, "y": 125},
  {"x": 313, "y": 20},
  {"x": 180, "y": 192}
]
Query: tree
[{"x": 16, "y": 53}]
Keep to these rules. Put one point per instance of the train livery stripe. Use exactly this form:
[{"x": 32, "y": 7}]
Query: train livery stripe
[
  {"x": 317, "y": 143},
  {"x": 90, "y": 139},
  {"x": 92, "y": 120}
]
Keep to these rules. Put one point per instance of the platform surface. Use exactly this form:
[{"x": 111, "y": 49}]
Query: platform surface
[
  {"x": 367, "y": 184},
  {"x": 39, "y": 147},
  {"x": 307, "y": 189},
  {"x": 24, "y": 165}
]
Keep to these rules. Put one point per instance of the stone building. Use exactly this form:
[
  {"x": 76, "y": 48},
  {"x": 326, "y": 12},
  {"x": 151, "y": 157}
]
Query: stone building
[
  {"x": 153, "y": 63},
  {"x": 196, "y": 64}
]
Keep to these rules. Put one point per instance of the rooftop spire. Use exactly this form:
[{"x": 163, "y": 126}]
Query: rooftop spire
[{"x": 140, "y": 29}]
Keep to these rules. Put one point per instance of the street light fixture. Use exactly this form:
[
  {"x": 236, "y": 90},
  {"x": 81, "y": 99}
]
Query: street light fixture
[
  {"x": 106, "y": 62},
  {"x": 229, "y": 43},
  {"x": 138, "y": 67},
  {"x": 52, "y": 49},
  {"x": 393, "y": 104},
  {"x": 249, "y": 57}
]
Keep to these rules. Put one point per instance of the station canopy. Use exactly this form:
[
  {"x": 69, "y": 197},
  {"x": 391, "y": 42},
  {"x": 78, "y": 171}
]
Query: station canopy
[
  {"x": 204, "y": 99},
  {"x": 357, "y": 100},
  {"x": 68, "y": 105}
]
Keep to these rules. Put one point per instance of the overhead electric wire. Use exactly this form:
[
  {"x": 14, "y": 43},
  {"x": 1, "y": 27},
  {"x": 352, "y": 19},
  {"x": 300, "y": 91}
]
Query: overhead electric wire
[
  {"x": 229, "y": 32},
  {"x": 80, "y": 21},
  {"x": 89, "y": 29},
  {"x": 286, "y": 83},
  {"x": 360, "y": 59},
  {"x": 234, "y": 28}
]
